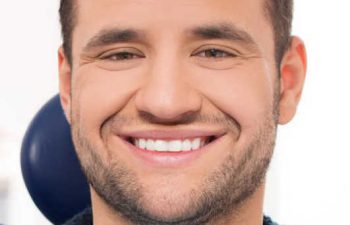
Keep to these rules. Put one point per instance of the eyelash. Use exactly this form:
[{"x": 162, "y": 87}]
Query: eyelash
[
  {"x": 206, "y": 53},
  {"x": 210, "y": 53},
  {"x": 121, "y": 56}
]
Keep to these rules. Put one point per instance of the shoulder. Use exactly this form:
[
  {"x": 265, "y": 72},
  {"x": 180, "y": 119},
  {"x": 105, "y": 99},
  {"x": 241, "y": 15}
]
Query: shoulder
[{"x": 268, "y": 221}]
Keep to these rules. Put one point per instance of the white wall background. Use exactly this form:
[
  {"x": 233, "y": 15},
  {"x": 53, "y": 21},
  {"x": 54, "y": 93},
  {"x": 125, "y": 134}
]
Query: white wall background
[{"x": 309, "y": 182}]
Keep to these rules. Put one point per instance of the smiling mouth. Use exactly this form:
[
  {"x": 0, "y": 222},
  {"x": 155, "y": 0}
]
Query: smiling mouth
[{"x": 170, "y": 145}]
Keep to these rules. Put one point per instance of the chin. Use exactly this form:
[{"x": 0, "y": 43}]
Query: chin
[{"x": 169, "y": 200}]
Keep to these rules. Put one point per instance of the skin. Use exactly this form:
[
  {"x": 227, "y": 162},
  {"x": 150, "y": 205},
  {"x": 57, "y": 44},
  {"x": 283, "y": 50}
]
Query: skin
[{"x": 171, "y": 75}]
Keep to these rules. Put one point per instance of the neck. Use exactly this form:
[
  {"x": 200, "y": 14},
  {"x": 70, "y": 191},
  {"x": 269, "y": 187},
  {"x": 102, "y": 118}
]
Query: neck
[{"x": 249, "y": 213}]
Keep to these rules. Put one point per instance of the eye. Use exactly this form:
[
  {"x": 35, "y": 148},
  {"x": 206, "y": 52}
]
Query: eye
[
  {"x": 121, "y": 56},
  {"x": 216, "y": 57},
  {"x": 120, "y": 59},
  {"x": 214, "y": 53}
]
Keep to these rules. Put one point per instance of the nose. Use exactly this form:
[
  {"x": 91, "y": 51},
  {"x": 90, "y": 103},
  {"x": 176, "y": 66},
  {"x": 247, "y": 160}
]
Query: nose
[{"x": 167, "y": 96}]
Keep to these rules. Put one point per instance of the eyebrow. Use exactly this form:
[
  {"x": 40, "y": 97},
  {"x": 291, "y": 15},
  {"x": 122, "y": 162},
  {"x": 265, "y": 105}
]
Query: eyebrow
[
  {"x": 112, "y": 36},
  {"x": 224, "y": 31}
]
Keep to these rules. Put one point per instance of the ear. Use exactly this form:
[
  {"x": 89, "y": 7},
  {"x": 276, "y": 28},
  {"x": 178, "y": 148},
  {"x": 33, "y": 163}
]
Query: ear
[
  {"x": 65, "y": 80},
  {"x": 293, "y": 72}
]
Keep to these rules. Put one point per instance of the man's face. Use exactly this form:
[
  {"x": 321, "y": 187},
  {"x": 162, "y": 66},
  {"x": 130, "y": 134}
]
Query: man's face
[{"x": 173, "y": 105}]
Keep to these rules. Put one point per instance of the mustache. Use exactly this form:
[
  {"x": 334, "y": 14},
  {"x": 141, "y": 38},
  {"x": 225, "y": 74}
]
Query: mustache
[{"x": 144, "y": 118}]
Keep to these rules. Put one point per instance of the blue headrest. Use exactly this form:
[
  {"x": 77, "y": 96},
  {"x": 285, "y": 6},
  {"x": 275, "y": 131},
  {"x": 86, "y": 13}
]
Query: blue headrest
[{"x": 50, "y": 167}]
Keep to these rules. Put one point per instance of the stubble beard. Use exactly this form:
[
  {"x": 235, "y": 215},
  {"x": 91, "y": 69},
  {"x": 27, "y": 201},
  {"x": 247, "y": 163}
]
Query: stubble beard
[{"x": 222, "y": 192}]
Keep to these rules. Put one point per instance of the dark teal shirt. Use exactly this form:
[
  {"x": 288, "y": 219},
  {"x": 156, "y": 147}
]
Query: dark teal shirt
[{"x": 85, "y": 218}]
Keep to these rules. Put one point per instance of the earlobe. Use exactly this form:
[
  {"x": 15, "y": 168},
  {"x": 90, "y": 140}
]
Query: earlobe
[
  {"x": 65, "y": 74},
  {"x": 293, "y": 72}
]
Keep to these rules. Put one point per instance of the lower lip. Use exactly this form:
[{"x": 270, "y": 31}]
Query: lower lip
[{"x": 169, "y": 159}]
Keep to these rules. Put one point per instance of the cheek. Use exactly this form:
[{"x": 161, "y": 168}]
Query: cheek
[
  {"x": 99, "y": 94},
  {"x": 244, "y": 93}
]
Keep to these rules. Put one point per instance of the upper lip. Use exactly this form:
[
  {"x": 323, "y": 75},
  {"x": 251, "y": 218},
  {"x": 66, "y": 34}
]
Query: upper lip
[{"x": 171, "y": 134}]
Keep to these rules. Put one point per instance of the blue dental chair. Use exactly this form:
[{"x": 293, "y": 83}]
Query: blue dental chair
[{"x": 50, "y": 167}]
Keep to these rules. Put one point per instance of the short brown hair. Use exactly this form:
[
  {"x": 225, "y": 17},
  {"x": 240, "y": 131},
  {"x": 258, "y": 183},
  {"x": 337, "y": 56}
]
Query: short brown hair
[{"x": 279, "y": 12}]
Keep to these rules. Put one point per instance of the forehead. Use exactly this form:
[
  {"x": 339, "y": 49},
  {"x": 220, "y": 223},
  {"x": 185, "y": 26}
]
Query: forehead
[
  {"x": 168, "y": 12},
  {"x": 170, "y": 16}
]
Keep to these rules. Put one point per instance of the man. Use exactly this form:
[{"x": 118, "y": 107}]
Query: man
[{"x": 174, "y": 105}]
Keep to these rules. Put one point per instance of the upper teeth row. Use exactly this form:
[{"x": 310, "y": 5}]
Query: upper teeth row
[{"x": 169, "y": 146}]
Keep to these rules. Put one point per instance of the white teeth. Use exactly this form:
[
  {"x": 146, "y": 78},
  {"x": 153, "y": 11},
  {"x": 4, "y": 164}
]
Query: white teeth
[
  {"x": 196, "y": 143},
  {"x": 186, "y": 145},
  {"x": 169, "y": 146},
  {"x": 141, "y": 143},
  {"x": 150, "y": 145},
  {"x": 174, "y": 146},
  {"x": 160, "y": 146}
]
